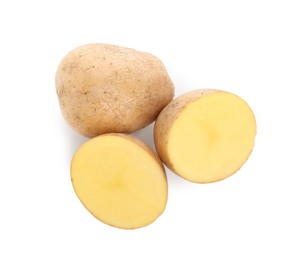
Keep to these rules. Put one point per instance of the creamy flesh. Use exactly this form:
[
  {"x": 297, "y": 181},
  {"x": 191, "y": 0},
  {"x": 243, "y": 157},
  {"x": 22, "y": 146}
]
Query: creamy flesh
[
  {"x": 211, "y": 138},
  {"x": 119, "y": 181}
]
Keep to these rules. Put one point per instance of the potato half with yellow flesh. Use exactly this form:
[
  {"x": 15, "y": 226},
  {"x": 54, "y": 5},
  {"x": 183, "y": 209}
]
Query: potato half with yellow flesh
[
  {"x": 120, "y": 180},
  {"x": 205, "y": 135}
]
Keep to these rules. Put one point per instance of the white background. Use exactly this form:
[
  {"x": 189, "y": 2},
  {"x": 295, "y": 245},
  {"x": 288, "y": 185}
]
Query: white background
[{"x": 250, "y": 48}]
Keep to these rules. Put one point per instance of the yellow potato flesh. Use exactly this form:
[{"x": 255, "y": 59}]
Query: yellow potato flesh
[
  {"x": 212, "y": 138},
  {"x": 119, "y": 182}
]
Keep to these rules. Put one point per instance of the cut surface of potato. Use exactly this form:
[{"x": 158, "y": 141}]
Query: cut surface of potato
[
  {"x": 209, "y": 136},
  {"x": 120, "y": 181}
]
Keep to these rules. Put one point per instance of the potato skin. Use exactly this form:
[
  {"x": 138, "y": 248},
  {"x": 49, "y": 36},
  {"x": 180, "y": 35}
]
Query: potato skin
[
  {"x": 104, "y": 88},
  {"x": 167, "y": 117}
]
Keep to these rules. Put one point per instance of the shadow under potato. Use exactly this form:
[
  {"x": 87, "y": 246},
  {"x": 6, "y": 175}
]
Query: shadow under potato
[
  {"x": 146, "y": 135},
  {"x": 74, "y": 140}
]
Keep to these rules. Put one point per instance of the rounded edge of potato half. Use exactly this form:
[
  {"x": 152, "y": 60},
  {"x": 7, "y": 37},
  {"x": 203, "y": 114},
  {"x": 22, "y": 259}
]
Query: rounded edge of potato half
[
  {"x": 161, "y": 176},
  {"x": 104, "y": 88},
  {"x": 169, "y": 115}
]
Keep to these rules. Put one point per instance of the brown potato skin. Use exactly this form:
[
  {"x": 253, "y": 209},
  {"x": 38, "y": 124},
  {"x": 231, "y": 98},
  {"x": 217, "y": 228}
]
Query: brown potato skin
[
  {"x": 104, "y": 88},
  {"x": 167, "y": 117}
]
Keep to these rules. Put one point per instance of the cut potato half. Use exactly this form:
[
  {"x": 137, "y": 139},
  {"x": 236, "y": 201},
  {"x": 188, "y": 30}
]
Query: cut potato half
[
  {"x": 205, "y": 135},
  {"x": 120, "y": 180}
]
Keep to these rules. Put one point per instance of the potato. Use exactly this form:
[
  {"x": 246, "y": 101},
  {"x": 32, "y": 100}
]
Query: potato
[
  {"x": 205, "y": 135},
  {"x": 120, "y": 180},
  {"x": 110, "y": 89}
]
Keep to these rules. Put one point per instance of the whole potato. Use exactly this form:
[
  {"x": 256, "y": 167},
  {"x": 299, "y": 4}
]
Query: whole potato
[{"x": 104, "y": 88}]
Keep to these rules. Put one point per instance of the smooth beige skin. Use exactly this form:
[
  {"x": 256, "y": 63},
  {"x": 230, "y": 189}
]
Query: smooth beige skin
[
  {"x": 120, "y": 180},
  {"x": 104, "y": 88},
  {"x": 205, "y": 135}
]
